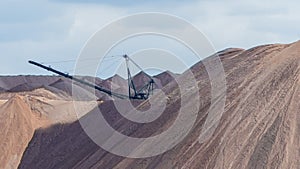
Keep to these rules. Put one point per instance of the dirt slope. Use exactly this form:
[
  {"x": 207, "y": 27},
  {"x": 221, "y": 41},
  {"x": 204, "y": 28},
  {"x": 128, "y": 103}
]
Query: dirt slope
[
  {"x": 9, "y": 82},
  {"x": 260, "y": 127},
  {"x": 24, "y": 112},
  {"x": 18, "y": 122}
]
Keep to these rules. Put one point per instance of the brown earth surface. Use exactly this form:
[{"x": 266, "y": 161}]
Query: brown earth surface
[
  {"x": 260, "y": 126},
  {"x": 25, "y": 112}
]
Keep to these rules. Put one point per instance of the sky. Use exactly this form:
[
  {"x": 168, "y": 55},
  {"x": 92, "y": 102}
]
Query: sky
[{"x": 56, "y": 30}]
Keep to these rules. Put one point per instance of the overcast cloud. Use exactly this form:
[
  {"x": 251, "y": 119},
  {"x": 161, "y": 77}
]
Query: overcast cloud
[{"x": 57, "y": 29}]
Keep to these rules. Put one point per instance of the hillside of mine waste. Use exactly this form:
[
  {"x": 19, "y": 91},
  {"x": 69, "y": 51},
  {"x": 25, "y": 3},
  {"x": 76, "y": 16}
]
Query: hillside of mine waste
[{"x": 260, "y": 126}]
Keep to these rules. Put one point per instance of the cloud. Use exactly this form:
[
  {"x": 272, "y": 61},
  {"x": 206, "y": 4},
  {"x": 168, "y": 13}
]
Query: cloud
[
  {"x": 57, "y": 35},
  {"x": 57, "y": 30},
  {"x": 246, "y": 23},
  {"x": 125, "y": 3}
]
